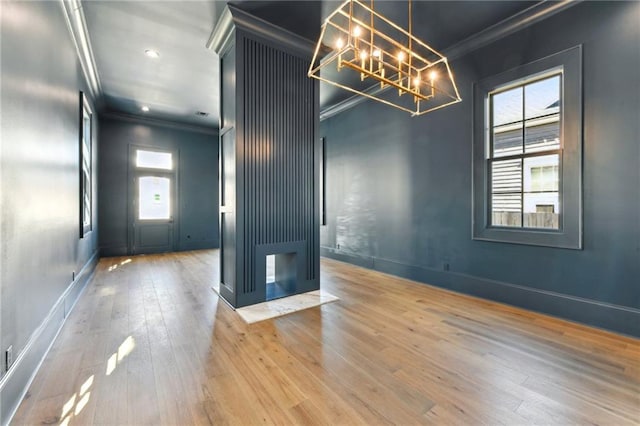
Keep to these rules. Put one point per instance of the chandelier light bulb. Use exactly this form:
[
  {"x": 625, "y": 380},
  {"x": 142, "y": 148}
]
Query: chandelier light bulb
[
  {"x": 364, "y": 54},
  {"x": 340, "y": 43},
  {"x": 433, "y": 75},
  {"x": 416, "y": 82},
  {"x": 376, "y": 53},
  {"x": 401, "y": 56},
  {"x": 357, "y": 31}
]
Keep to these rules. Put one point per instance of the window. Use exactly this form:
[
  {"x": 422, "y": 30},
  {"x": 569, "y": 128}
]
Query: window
[
  {"x": 154, "y": 198},
  {"x": 524, "y": 148},
  {"x": 322, "y": 188},
  {"x": 154, "y": 170},
  {"x": 527, "y": 154},
  {"x": 153, "y": 160},
  {"x": 86, "y": 132}
]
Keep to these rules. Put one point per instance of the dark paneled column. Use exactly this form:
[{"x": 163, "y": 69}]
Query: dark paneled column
[{"x": 269, "y": 159}]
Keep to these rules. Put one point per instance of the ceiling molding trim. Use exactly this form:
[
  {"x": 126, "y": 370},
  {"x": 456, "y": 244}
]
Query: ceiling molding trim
[
  {"x": 508, "y": 26},
  {"x": 113, "y": 115},
  {"x": 232, "y": 16},
  {"x": 77, "y": 26},
  {"x": 221, "y": 33},
  {"x": 350, "y": 102}
]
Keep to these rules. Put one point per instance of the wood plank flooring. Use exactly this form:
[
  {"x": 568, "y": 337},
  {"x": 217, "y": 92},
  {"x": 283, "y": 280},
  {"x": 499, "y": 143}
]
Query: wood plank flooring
[{"x": 149, "y": 342}]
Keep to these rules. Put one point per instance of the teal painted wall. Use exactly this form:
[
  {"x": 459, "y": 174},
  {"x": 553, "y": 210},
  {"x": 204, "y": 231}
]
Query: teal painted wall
[
  {"x": 197, "y": 224},
  {"x": 399, "y": 188},
  {"x": 40, "y": 245}
]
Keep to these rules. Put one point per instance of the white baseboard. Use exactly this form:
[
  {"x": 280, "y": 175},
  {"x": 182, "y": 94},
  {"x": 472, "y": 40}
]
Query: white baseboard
[{"x": 15, "y": 383}]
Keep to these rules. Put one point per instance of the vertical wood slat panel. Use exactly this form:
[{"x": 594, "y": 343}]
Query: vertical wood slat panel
[{"x": 279, "y": 163}]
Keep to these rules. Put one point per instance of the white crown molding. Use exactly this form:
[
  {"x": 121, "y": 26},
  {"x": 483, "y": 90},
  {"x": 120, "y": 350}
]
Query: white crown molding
[
  {"x": 517, "y": 22},
  {"x": 130, "y": 118},
  {"x": 77, "y": 26},
  {"x": 508, "y": 26},
  {"x": 233, "y": 17}
]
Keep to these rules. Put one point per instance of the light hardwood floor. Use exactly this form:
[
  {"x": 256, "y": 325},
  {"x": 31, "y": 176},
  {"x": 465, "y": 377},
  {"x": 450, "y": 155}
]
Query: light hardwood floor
[{"x": 149, "y": 342}]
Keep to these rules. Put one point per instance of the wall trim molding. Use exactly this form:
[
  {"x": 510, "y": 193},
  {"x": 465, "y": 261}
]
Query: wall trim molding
[
  {"x": 616, "y": 318},
  {"x": 521, "y": 20},
  {"x": 508, "y": 26},
  {"x": 77, "y": 25},
  {"x": 27, "y": 364},
  {"x": 232, "y": 16},
  {"x": 198, "y": 245},
  {"x": 159, "y": 123}
]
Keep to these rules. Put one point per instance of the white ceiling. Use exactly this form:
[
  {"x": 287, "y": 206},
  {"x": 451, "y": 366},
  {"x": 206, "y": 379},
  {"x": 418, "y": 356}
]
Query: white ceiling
[
  {"x": 183, "y": 80},
  {"x": 174, "y": 86}
]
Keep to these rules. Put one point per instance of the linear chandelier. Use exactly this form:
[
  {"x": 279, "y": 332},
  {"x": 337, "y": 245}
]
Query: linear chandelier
[{"x": 364, "y": 45}]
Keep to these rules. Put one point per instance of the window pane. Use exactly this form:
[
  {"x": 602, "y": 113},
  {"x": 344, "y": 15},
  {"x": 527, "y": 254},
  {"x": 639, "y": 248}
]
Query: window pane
[
  {"x": 541, "y": 210},
  {"x": 541, "y": 173},
  {"x": 86, "y": 132},
  {"x": 542, "y": 97},
  {"x": 507, "y": 106},
  {"x": 507, "y": 122},
  {"x": 506, "y": 176},
  {"x": 505, "y": 210},
  {"x": 85, "y": 196},
  {"x": 154, "y": 160},
  {"x": 541, "y": 192},
  {"x": 542, "y": 134},
  {"x": 506, "y": 190},
  {"x": 507, "y": 140},
  {"x": 154, "y": 198}
]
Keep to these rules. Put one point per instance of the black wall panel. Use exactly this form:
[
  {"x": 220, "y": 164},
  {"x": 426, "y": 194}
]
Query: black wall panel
[{"x": 275, "y": 169}]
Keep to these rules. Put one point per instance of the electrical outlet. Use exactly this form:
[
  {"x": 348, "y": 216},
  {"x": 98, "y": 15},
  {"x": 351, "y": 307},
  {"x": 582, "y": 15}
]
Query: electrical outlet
[{"x": 8, "y": 358}]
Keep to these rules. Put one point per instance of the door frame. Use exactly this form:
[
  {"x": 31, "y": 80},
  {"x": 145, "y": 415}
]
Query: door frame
[{"x": 132, "y": 191}]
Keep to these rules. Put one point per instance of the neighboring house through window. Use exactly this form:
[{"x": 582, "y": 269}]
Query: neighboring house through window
[{"x": 524, "y": 144}]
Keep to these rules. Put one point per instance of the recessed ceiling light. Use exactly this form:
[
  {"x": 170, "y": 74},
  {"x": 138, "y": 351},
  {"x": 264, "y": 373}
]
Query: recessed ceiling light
[
  {"x": 145, "y": 108},
  {"x": 152, "y": 53}
]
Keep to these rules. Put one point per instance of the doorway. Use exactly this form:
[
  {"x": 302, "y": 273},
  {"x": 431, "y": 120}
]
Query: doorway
[{"x": 152, "y": 201}]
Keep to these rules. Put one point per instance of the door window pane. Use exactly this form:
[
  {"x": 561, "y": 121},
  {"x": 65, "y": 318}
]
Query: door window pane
[
  {"x": 154, "y": 198},
  {"x": 154, "y": 160}
]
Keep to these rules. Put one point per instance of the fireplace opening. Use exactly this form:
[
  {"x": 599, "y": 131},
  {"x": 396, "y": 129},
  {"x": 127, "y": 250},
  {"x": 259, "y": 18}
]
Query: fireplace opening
[{"x": 281, "y": 274}]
